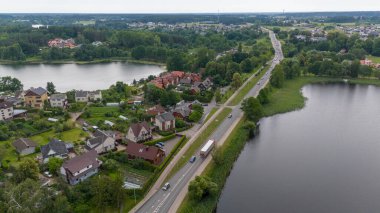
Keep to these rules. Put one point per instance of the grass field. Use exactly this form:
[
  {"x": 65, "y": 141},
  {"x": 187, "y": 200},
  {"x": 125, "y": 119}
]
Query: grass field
[
  {"x": 212, "y": 112},
  {"x": 200, "y": 140},
  {"x": 374, "y": 59},
  {"x": 244, "y": 91},
  {"x": 98, "y": 113}
]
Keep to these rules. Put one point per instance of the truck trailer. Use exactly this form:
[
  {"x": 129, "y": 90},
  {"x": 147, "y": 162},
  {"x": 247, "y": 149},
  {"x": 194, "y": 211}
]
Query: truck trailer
[{"x": 207, "y": 148}]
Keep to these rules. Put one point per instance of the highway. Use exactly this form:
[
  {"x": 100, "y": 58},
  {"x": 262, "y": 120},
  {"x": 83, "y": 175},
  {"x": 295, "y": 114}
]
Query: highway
[{"x": 162, "y": 201}]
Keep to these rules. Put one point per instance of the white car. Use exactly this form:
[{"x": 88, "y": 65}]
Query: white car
[{"x": 166, "y": 186}]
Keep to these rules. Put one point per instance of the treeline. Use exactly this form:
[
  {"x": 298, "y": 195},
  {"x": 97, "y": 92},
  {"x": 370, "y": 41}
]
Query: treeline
[
  {"x": 19, "y": 43},
  {"x": 336, "y": 41}
]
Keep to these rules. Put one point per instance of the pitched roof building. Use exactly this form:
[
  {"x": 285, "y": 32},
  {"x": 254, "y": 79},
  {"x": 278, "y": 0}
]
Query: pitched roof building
[
  {"x": 151, "y": 154},
  {"x": 139, "y": 132},
  {"x": 101, "y": 142},
  {"x": 25, "y": 146},
  {"x": 55, "y": 148},
  {"x": 81, "y": 167},
  {"x": 165, "y": 121}
]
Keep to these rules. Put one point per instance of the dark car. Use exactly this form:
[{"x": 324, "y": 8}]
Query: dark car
[{"x": 192, "y": 159}]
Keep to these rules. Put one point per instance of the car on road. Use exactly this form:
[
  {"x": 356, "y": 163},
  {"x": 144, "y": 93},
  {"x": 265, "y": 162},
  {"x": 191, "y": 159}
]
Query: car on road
[
  {"x": 192, "y": 159},
  {"x": 166, "y": 186},
  {"x": 162, "y": 144},
  {"x": 204, "y": 104},
  {"x": 230, "y": 116},
  {"x": 158, "y": 145}
]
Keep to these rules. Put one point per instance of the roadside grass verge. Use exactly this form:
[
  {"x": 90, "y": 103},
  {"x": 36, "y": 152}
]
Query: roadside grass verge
[
  {"x": 199, "y": 141},
  {"x": 250, "y": 84},
  {"x": 212, "y": 112},
  {"x": 218, "y": 173}
]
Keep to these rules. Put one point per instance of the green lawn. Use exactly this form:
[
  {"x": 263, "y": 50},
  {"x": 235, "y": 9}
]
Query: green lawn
[
  {"x": 374, "y": 59},
  {"x": 244, "y": 91},
  {"x": 289, "y": 97},
  {"x": 212, "y": 112},
  {"x": 98, "y": 113},
  {"x": 74, "y": 135},
  {"x": 202, "y": 138}
]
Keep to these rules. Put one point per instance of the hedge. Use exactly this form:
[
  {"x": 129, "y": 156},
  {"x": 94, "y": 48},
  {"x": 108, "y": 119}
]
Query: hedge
[{"x": 163, "y": 139}]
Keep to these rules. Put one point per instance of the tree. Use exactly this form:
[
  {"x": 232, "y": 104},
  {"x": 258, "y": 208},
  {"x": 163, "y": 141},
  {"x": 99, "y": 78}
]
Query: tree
[
  {"x": 217, "y": 156},
  {"x": 9, "y": 84},
  {"x": 376, "y": 47},
  {"x": 50, "y": 87},
  {"x": 202, "y": 187},
  {"x": 197, "y": 107},
  {"x": 246, "y": 65},
  {"x": 252, "y": 108},
  {"x": 107, "y": 191},
  {"x": 195, "y": 116},
  {"x": 355, "y": 69},
  {"x": 175, "y": 62},
  {"x": 278, "y": 77},
  {"x": 250, "y": 126},
  {"x": 236, "y": 80},
  {"x": 29, "y": 196},
  {"x": 27, "y": 169},
  {"x": 54, "y": 165},
  {"x": 263, "y": 96},
  {"x": 218, "y": 96}
]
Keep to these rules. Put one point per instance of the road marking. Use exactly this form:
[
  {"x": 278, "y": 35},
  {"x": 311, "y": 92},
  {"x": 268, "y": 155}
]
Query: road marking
[{"x": 167, "y": 196}]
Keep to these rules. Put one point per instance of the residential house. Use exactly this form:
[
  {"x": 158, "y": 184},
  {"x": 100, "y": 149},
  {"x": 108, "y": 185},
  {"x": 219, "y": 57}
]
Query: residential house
[
  {"x": 139, "y": 132},
  {"x": 35, "y": 97},
  {"x": 25, "y": 146},
  {"x": 151, "y": 154},
  {"x": 101, "y": 142},
  {"x": 61, "y": 43},
  {"x": 85, "y": 96},
  {"x": 81, "y": 167},
  {"x": 6, "y": 110},
  {"x": 183, "y": 112},
  {"x": 155, "y": 110},
  {"x": 58, "y": 100},
  {"x": 165, "y": 121},
  {"x": 55, "y": 148}
]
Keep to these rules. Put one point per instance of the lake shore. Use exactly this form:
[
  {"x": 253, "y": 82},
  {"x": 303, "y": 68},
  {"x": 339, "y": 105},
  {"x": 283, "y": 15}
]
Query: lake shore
[
  {"x": 286, "y": 99},
  {"x": 97, "y": 61}
]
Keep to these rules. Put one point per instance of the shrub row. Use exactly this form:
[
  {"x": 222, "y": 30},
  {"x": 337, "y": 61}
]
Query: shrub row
[{"x": 163, "y": 139}]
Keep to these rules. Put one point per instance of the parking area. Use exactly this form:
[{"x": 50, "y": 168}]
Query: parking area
[{"x": 170, "y": 144}]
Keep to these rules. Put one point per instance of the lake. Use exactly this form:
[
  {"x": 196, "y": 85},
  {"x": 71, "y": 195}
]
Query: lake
[
  {"x": 79, "y": 76},
  {"x": 324, "y": 158}
]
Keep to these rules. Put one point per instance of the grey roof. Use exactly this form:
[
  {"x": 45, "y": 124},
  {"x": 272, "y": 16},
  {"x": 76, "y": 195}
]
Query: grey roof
[
  {"x": 167, "y": 116},
  {"x": 56, "y": 145},
  {"x": 183, "y": 110},
  {"x": 39, "y": 91},
  {"x": 58, "y": 96},
  {"x": 98, "y": 140},
  {"x": 81, "y": 93},
  {"x": 99, "y": 133},
  {"x": 5, "y": 105},
  {"x": 23, "y": 143},
  {"x": 82, "y": 161}
]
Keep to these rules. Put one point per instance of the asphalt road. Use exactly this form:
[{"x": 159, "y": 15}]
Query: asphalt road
[{"x": 161, "y": 201}]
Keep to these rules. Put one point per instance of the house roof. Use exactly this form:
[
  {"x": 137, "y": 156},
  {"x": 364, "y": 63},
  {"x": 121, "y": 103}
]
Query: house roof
[
  {"x": 143, "y": 151},
  {"x": 6, "y": 105},
  {"x": 183, "y": 110},
  {"x": 82, "y": 161},
  {"x": 98, "y": 140},
  {"x": 137, "y": 127},
  {"x": 58, "y": 96},
  {"x": 56, "y": 145},
  {"x": 36, "y": 91},
  {"x": 23, "y": 143},
  {"x": 157, "y": 109},
  {"x": 165, "y": 117},
  {"x": 81, "y": 93}
]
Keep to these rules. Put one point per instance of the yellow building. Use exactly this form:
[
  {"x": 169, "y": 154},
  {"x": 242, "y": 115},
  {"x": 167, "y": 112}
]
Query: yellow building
[{"x": 35, "y": 97}]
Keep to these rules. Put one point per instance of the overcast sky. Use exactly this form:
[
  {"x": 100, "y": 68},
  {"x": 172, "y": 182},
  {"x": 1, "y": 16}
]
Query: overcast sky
[{"x": 183, "y": 6}]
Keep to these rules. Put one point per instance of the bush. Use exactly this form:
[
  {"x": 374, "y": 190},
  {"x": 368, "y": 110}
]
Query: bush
[{"x": 201, "y": 187}]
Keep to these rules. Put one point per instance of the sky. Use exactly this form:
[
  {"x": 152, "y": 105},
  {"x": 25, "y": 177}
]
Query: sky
[{"x": 183, "y": 6}]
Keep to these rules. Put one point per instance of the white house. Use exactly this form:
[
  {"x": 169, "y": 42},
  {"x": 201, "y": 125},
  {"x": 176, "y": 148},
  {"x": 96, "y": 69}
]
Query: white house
[
  {"x": 85, "y": 96},
  {"x": 6, "y": 110},
  {"x": 139, "y": 132},
  {"x": 101, "y": 143},
  {"x": 25, "y": 146},
  {"x": 58, "y": 100}
]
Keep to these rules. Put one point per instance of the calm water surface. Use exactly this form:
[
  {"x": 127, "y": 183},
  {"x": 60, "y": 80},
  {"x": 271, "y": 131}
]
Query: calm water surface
[
  {"x": 74, "y": 76},
  {"x": 324, "y": 158}
]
